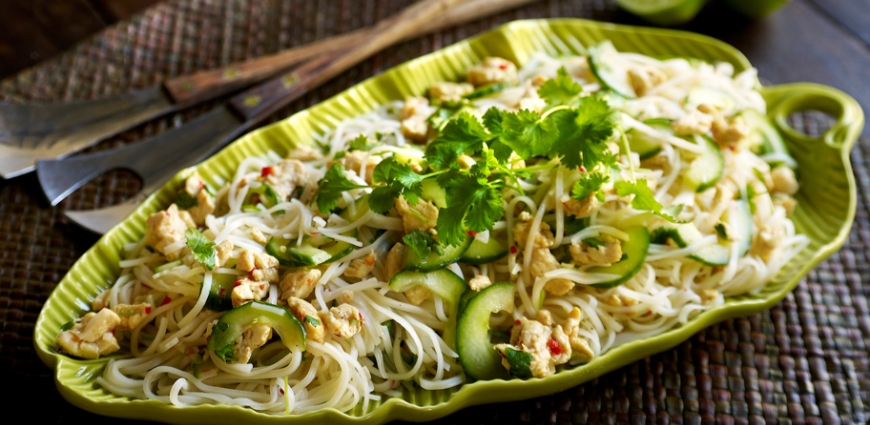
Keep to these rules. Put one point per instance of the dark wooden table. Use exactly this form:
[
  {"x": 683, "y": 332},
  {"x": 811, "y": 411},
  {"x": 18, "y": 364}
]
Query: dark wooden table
[{"x": 702, "y": 380}]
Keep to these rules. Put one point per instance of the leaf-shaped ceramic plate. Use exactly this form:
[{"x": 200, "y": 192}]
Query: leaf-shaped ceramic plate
[{"x": 825, "y": 212}]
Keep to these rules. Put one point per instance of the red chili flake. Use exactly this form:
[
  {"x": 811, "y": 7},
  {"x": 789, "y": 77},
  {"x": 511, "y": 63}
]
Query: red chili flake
[
  {"x": 167, "y": 213},
  {"x": 261, "y": 286},
  {"x": 266, "y": 171},
  {"x": 282, "y": 390},
  {"x": 315, "y": 233},
  {"x": 166, "y": 300},
  {"x": 471, "y": 233},
  {"x": 238, "y": 283},
  {"x": 503, "y": 66},
  {"x": 147, "y": 309},
  {"x": 731, "y": 148},
  {"x": 582, "y": 169},
  {"x": 222, "y": 291},
  {"x": 649, "y": 313},
  {"x": 517, "y": 322},
  {"x": 554, "y": 347},
  {"x": 513, "y": 250},
  {"x": 201, "y": 185}
]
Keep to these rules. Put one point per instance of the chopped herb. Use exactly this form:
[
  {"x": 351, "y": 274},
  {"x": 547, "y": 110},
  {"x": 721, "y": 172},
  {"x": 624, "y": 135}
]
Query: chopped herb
[
  {"x": 339, "y": 155},
  {"x": 185, "y": 201},
  {"x": 721, "y": 231},
  {"x": 588, "y": 184},
  {"x": 594, "y": 242},
  {"x": 561, "y": 90},
  {"x": 583, "y": 132},
  {"x": 202, "y": 248},
  {"x": 311, "y": 320},
  {"x": 499, "y": 335},
  {"x": 750, "y": 198},
  {"x": 330, "y": 188},
  {"x": 645, "y": 200},
  {"x": 225, "y": 353},
  {"x": 361, "y": 143},
  {"x": 410, "y": 359},
  {"x": 67, "y": 326},
  {"x": 398, "y": 180},
  {"x": 422, "y": 243},
  {"x": 520, "y": 362},
  {"x": 461, "y": 135}
]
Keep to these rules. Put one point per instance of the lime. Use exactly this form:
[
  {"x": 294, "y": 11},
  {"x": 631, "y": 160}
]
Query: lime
[
  {"x": 664, "y": 12},
  {"x": 756, "y": 8}
]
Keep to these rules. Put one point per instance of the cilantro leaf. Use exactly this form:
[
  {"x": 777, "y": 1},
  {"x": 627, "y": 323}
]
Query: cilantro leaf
[
  {"x": 671, "y": 213},
  {"x": 520, "y": 362},
  {"x": 527, "y": 134},
  {"x": 361, "y": 143},
  {"x": 583, "y": 132},
  {"x": 473, "y": 203},
  {"x": 721, "y": 231},
  {"x": 312, "y": 320},
  {"x": 560, "y": 90},
  {"x": 462, "y": 135},
  {"x": 225, "y": 353},
  {"x": 202, "y": 248},
  {"x": 391, "y": 170},
  {"x": 643, "y": 195},
  {"x": 422, "y": 243},
  {"x": 185, "y": 201},
  {"x": 399, "y": 180},
  {"x": 331, "y": 186},
  {"x": 593, "y": 242},
  {"x": 588, "y": 184}
]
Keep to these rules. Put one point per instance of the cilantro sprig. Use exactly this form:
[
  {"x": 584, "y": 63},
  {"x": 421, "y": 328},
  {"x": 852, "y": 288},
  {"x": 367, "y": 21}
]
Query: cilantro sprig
[
  {"x": 331, "y": 187},
  {"x": 645, "y": 200},
  {"x": 203, "y": 248}
]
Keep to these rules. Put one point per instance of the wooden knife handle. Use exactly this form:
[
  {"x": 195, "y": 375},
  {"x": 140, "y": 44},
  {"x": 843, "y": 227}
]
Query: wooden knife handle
[
  {"x": 205, "y": 85},
  {"x": 266, "y": 98}
]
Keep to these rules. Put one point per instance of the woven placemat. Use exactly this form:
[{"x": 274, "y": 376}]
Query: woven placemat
[{"x": 804, "y": 361}]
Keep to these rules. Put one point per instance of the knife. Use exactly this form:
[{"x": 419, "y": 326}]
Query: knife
[
  {"x": 37, "y": 131},
  {"x": 207, "y": 133}
]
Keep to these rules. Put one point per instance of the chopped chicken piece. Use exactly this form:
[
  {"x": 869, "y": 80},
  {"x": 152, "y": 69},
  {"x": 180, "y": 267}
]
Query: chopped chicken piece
[
  {"x": 767, "y": 242},
  {"x": 477, "y": 283},
  {"x": 304, "y": 152},
  {"x": 449, "y": 91},
  {"x": 260, "y": 265},
  {"x": 423, "y": 216},
  {"x": 355, "y": 160},
  {"x": 415, "y": 129},
  {"x": 545, "y": 317},
  {"x": 307, "y": 315},
  {"x": 286, "y": 176},
  {"x": 581, "y": 209},
  {"x": 91, "y": 336},
  {"x": 619, "y": 301},
  {"x": 361, "y": 267},
  {"x": 299, "y": 283},
  {"x": 694, "y": 122},
  {"x": 343, "y": 321},
  {"x": 492, "y": 70},
  {"x": 581, "y": 348},
  {"x": 247, "y": 290},
  {"x": 543, "y": 261},
  {"x": 578, "y": 67},
  {"x": 254, "y": 337},
  {"x": 258, "y": 236},
  {"x": 417, "y": 294},
  {"x": 708, "y": 296},
  {"x": 415, "y": 106},
  {"x": 131, "y": 315},
  {"x": 101, "y": 301},
  {"x": 727, "y": 135},
  {"x": 395, "y": 260},
  {"x": 167, "y": 227},
  {"x": 531, "y": 100},
  {"x": 543, "y": 238},
  {"x": 608, "y": 253},
  {"x": 644, "y": 78},
  {"x": 784, "y": 180},
  {"x": 547, "y": 349},
  {"x": 786, "y": 202},
  {"x": 657, "y": 162},
  {"x": 224, "y": 252},
  {"x": 194, "y": 186},
  {"x": 346, "y": 297}
]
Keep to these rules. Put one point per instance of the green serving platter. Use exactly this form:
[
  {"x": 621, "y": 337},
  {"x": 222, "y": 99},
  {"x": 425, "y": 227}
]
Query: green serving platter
[{"x": 826, "y": 208}]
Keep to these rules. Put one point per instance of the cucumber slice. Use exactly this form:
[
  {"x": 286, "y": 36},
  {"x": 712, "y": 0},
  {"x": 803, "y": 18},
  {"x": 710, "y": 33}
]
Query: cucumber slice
[
  {"x": 707, "y": 169},
  {"x": 264, "y": 194},
  {"x": 487, "y": 90},
  {"x": 450, "y": 255},
  {"x": 686, "y": 234},
  {"x": 721, "y": 99},
  {"x": 318, "y": 249},
  {"x": 739, "y": 218},
  {"x": 219, "y": 296},
  {"x": 236, "y": 321},
  {"x": 443, "y": 283},
  {"x": 476, "y": 353},
  {"x": 605, "y": 63},
  {"x": 433, "y": 192},
  {"x": 634, "y": 252},
  {"x": 764, "y": 138},
  {"x": 482, "y": 253},
  {"x": 643, "y": 144}
]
